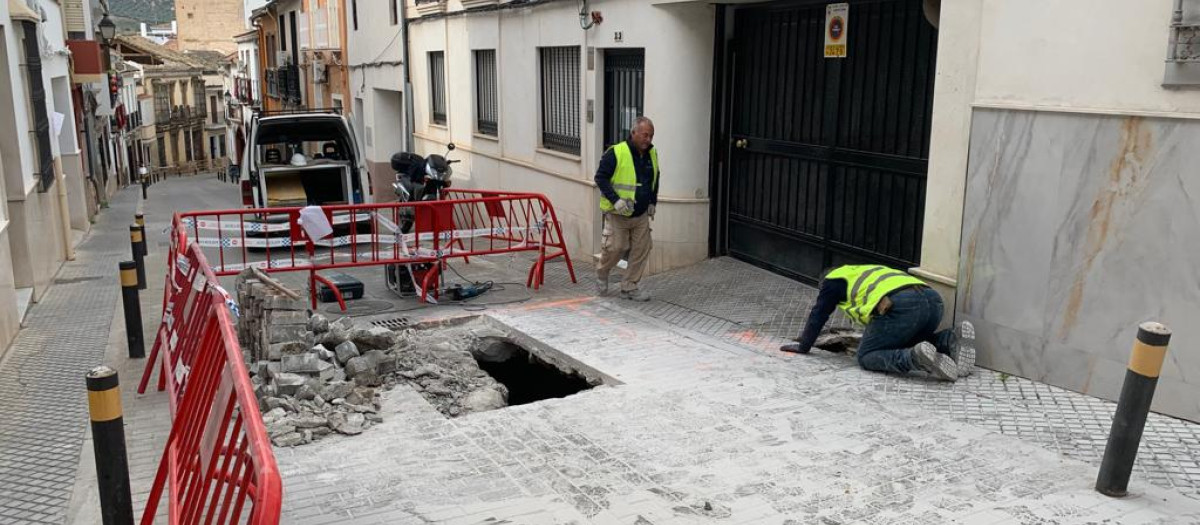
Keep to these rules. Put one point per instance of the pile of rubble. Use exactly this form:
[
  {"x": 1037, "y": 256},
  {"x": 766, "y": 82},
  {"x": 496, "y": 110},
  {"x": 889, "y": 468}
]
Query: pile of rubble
[{"x": 314, "y": 377}]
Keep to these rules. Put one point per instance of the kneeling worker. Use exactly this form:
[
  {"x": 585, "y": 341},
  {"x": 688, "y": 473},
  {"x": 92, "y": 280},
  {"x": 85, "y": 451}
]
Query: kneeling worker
[{"x": 901, "y": 315}]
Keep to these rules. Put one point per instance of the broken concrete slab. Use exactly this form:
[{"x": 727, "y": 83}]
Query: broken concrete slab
[
  {"x": 334, "y": 337},
  {"x": 353, "y": 425},
  {"x": 302, "y": 363},
  {"x": 484, "y": 399},
  {"x": 288, "y": 383},
  {"x": 288, "y": 440},
  {"x": 384, "y": 363},
  {"x": 324, "y": 353},
  {"x": 345, "y": 352},
  {"x": 318, "y": 324},
  {"x": 343, "y": 323},
  {"x": 362, "y": 370},
  {"x": 309, "y": 421},
  {"x": 374, "y": 338},
  {"x": 305, "y": 393},
  {"x": 280, "y": 427},
  {"x": 338, "y": 390}
]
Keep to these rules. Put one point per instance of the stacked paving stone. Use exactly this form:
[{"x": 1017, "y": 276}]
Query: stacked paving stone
[{"x": 314, "y": 377}]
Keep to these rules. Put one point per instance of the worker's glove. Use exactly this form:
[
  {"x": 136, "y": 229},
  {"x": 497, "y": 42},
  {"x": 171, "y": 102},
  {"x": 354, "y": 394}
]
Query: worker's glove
[
  {"x": 650, "y": 211},
  {"x": 622, "y": 207}
]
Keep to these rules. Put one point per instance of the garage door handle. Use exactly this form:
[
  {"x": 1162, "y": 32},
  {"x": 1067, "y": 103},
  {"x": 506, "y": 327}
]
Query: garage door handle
[{"x": 741, "y": 143}]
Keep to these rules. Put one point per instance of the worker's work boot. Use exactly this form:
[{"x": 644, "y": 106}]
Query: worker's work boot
[
  {"x": 963, "y": 351},
  {"x": 601, "y": 286},
  {"x": 926, "y": 357},
  {"x": 635, "y": 295}
]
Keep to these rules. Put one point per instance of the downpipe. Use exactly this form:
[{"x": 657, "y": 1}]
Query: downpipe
[{"x": 64, "y": 211}]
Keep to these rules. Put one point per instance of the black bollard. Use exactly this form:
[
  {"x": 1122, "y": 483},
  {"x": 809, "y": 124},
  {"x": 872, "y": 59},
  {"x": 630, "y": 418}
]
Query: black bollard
[
  {"x": 108, "y": 440},
  {"x": 1141, "y": 378},
  {"x": 135, "y": 240},
  {"x": 142, "y": 244},
  {"x": 133, "y": 310}
]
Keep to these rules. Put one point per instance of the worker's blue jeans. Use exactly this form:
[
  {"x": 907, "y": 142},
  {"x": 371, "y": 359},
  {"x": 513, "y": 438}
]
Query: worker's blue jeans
[{"x": 888, "y": 340}]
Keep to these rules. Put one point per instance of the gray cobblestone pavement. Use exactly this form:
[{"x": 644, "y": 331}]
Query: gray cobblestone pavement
[
  {"x": 711, "y": 424},
  {"x": 42, "y": 393},
  {"x": 758, "y": 309},
  {"x": 700, "y": 431}
]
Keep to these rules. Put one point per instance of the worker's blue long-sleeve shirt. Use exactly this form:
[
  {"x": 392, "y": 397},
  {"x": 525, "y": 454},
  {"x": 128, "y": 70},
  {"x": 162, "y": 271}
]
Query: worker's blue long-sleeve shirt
[{"x": 831, "y": 293}]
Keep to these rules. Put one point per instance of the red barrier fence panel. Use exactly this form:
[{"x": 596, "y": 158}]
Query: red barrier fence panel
[
  {"x": 218, "y": 465},
  {"x": 191, "y": 291},
  {"x": 469, "y": 223}
]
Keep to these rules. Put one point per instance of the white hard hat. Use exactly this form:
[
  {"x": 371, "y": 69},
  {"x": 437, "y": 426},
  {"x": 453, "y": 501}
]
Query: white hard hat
[{"x": 299, "y": 160}]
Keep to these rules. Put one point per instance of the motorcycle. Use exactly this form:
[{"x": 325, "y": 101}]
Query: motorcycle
[{"x": 418, "y": 179}]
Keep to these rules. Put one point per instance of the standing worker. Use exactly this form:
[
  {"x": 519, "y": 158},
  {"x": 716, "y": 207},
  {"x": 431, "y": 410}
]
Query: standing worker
[
  {"x": 901, "y": 314},
  {"x": 628, "y": 182}
]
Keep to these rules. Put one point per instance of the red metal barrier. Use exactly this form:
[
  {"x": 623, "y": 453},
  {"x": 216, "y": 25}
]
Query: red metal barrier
[
  {"x": 218, "y": 465},
  {"x": 469, "y": 223}
]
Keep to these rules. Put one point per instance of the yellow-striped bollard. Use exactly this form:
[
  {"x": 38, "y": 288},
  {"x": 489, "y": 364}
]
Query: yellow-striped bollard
[
  {"x": 133, "y": 310},
  {"x": 135, "y": 245},
  {"x": 1141, "y": 378},
  {"x": 108, "y": 440}
]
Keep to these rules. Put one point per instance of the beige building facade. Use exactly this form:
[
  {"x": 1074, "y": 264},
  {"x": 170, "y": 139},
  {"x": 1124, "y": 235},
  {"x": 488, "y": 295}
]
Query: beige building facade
[{"x": 209, "y": 24}]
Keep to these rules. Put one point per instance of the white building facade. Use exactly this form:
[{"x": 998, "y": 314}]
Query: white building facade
[
  {"x": 1025, "y": 169},
  {"x": 521, "y": 91},
  {"x": 375, "y": 51},
  {"x": 36, "y": 107}
]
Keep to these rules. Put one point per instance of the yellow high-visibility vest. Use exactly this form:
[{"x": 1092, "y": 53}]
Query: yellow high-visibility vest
[
  {"x": 866, "y": 285},
  {"x": 624, "y": 178}
]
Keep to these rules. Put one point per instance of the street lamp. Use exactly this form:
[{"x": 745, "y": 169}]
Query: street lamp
[{"x": 108, "y": 29}]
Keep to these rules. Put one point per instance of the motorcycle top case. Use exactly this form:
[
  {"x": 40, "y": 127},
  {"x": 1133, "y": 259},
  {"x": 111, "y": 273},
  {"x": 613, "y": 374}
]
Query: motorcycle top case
[{"x": 349, "y": 287}]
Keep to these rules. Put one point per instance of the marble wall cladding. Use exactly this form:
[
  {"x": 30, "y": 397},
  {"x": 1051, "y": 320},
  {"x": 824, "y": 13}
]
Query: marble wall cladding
[{"x": 1076, "y": 228}]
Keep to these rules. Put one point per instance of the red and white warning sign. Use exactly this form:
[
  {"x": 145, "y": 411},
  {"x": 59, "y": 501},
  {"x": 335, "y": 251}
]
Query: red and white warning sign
[{"x": 837, "y": 23}]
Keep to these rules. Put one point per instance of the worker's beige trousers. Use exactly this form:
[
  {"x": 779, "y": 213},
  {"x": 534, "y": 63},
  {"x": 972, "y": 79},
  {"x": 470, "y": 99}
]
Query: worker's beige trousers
[{"x": 625, "y": 233}]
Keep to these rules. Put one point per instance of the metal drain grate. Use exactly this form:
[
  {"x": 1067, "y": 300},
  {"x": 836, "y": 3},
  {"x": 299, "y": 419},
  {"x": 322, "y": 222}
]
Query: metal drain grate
[{"x": 395, "y": 323}]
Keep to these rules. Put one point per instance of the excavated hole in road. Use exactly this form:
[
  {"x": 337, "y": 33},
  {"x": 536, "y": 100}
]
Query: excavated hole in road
[
  {"x": 477, "y": 363},
  {"x": 529, "y": 378}
]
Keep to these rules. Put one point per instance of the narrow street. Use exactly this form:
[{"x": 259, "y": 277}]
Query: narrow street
[
  {"x": 627, "y": 262},
  {"x": 708, "y": 423}
]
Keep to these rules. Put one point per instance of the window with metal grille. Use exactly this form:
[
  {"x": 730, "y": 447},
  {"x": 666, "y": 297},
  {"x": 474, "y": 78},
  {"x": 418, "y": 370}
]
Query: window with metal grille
[
  {"x": 487, "y": 104},
  {"x": 437, "y": 86},
  {"x": 320, "y": 25},
  {"x": 37, "y": 104},
  {"x": 560, "y": 99},
  {"x": 334, "y": 23},
  {"x": 162, "y": 102},
  {"x": 305, "y": 22}
]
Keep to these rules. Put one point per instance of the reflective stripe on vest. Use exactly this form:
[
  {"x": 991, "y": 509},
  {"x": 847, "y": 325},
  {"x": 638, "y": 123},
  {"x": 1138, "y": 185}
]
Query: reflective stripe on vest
[
  {"x": 624, "y": 178},
  {"x": 866, "y": 285}
]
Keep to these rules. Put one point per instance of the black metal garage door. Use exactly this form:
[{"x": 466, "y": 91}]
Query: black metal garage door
[{"x": 826, "y": 157}]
